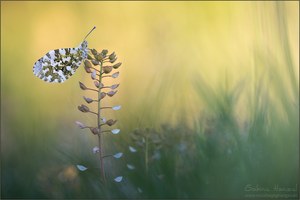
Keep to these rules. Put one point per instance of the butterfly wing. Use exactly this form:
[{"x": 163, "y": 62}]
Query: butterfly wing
[{"x": 59, "y": 64}]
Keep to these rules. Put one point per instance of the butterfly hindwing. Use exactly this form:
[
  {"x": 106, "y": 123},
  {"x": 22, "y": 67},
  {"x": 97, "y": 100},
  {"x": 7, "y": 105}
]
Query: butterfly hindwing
[{"x": 59, "y": 64}]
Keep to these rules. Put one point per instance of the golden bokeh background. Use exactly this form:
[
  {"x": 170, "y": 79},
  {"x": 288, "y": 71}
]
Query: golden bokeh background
[{"x": 161, "y": 44}]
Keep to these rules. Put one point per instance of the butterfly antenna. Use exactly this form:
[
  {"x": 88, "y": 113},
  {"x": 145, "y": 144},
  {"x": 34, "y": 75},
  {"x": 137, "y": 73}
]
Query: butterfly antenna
[{"x": 89, "y": 33}]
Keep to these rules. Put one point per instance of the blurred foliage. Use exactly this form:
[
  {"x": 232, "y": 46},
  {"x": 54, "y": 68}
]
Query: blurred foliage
[{"x": 209, "y": 94}]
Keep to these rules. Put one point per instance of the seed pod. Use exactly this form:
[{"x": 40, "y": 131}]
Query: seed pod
[
  {"x": 99, "y": 57},
  {"x": 83, "y": 108},
  {"x": 112, "y": 56},
  {"x": 88, "y": 70},
  {"x": 89, "y": 57},
  {"x": 87, "y": 64},
  {"x": 104, "y": 52},
  {"x": 116, "y": 66},
  {"x": 111, "y": 122},
  {"x": 88, "y": 100},
  {"x": 95, "y": 131},
  {"x": 113, "y": 60},
  {"x": 97, "y": 84},
  {"x": 107, "y": 69},
  {"x": 94, "y": 52},
  {"x": 111, "y": 93},
  {"x": 95, "y": 62},
  {"x": 114, "y": 86},
  {"x": 102, "y": 95},
  {"x": 82, "y": 86}
]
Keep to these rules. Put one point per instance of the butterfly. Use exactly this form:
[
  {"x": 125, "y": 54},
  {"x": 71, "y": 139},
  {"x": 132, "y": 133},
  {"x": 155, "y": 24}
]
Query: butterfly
[{"x": 59, "y": 64}]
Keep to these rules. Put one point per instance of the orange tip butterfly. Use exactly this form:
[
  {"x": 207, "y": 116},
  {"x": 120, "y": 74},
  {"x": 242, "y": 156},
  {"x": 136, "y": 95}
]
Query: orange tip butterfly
[{"x": 59, "y": 64}]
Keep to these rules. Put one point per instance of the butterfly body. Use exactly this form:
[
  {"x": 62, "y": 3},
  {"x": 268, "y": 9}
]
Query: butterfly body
[{"x": 58, "y": 65}]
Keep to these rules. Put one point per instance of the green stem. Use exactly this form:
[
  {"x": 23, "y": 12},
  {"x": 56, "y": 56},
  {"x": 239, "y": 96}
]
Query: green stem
[
  {"x": 100, "y": 135},
  {"x": 146, "y": 155}
]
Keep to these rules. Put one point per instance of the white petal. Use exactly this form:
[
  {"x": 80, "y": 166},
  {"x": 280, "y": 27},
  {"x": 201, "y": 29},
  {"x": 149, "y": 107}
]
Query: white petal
[
  {"x": 103, "y": 120},
  {"x": 132, "y": 149},
  {"x": 81, "y": 167},
  {"x": 116, "y": 107},
  {"x": 115, "y": 131},
  {"x": 80, "y": 125},
  {"x": 115, "y": 75},
  {"x": 93, "y": 74},
  {"x": 139, "y": 190},
  {"x": 118, "y": 155},
  {"x": 96, "y": 150},
  {"x": 118, "y": 179},
  {"x": 131, "y": 167}
]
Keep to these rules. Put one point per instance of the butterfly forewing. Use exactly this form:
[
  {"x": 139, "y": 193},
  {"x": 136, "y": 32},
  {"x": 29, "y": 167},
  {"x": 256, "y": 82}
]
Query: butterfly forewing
[{"x": 59, "y": 64}]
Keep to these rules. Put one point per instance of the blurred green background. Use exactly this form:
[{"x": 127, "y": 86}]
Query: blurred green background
[{"x": 209, "y": 94}]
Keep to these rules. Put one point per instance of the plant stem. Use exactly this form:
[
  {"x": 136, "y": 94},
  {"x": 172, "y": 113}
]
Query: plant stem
[
  {"x": 106, "y": 107},
  {"x": 102, "y": 172},
  {"x": 146, "y": 155},
  {"x": 92, "y": 89},
  {"x": 93, "y": 113}
]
